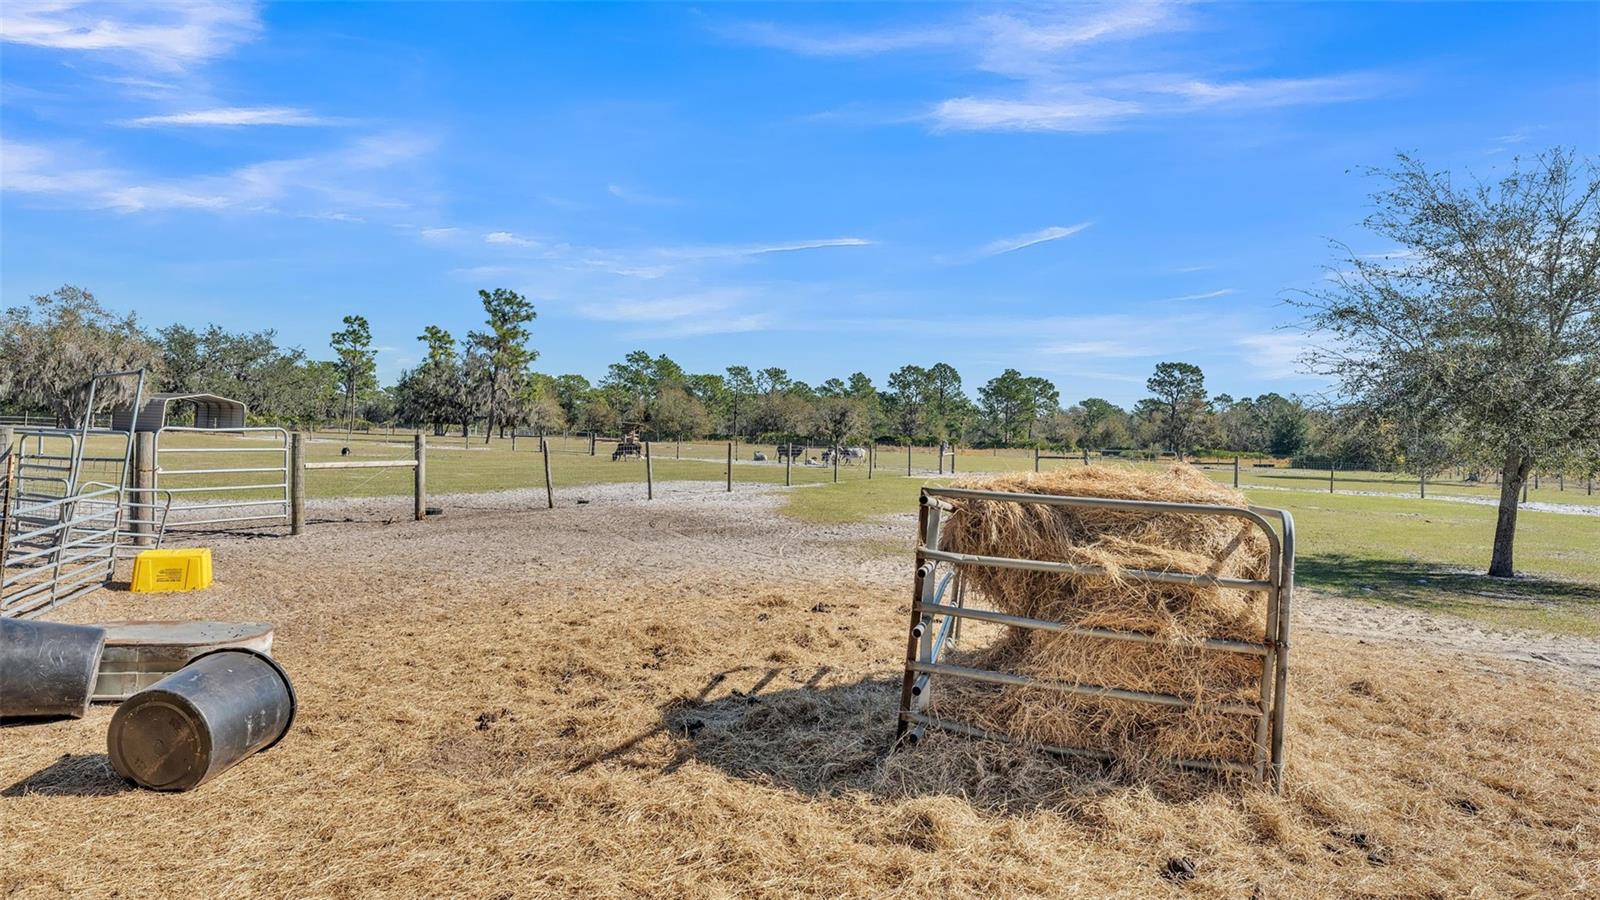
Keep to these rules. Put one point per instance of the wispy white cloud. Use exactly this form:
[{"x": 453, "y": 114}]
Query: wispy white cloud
[
  {"x": 1032, "y": 238},
  {"x": 734, "y": 251},
  {"x": 631, "y": 196},
  {"x": 686, "y": 315},
  {"x": 854, "y": 43},
  {"x": 158, "y": 35},
  {"x": 506, "y": 237},
  {"x": 1072, "y": 113},
  {"x": 1071, "y": 69},
  {"x": 1260, "y": 93},
  {"x": 1206, "y": 295},
  {"x": 234, "y": 116},
  {"x": 346, "y": 178},
  {"x": 1102, "y": 348},
  {"x": 438, "y": 234},
  {"x": 335, "y": 216},
  {"x": 1274, "y": 354}
]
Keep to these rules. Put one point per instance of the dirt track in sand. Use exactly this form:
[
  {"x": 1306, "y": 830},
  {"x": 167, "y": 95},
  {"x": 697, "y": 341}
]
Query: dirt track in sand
[{"x": 748, "y": 535}]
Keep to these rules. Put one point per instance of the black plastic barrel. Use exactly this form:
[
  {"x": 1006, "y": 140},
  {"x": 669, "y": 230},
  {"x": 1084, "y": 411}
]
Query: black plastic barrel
[
  {"x": 47, "y": 668},
  {"x": 201, "y": 720}
]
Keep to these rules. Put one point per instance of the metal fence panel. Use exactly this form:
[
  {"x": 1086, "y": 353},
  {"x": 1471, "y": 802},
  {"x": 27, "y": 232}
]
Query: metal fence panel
[{"x": 240, "y": 485}]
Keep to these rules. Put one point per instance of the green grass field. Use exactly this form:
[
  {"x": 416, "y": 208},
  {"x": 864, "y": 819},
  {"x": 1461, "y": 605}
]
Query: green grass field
[
  {"x": 1400, "y": 551},
  {"x": 1397, "y": 550}
]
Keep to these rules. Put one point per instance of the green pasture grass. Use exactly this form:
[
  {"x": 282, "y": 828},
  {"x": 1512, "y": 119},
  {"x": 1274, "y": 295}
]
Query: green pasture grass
[{"x": 1397, "y": 551}]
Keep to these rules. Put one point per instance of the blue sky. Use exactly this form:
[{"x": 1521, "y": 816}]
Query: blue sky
[{"x": 1077, "y": 191}]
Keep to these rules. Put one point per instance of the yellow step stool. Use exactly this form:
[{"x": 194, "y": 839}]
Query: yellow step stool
[{"x": 184, "y": 569}]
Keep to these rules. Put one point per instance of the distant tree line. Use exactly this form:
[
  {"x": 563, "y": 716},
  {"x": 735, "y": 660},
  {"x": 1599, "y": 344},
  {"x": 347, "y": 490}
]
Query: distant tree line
[{"x": 485, "y": 384}]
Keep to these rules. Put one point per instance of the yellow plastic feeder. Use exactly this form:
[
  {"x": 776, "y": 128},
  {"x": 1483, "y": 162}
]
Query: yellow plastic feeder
[{"x": 182, "y": 569}]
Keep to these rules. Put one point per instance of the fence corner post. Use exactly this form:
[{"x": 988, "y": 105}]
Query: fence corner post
[
  {"x": 549, "y": 487},
  {"x": 297, "y": 483},
  {"x": 419, "y": 488},
  {"x": 730, "y": 467}
]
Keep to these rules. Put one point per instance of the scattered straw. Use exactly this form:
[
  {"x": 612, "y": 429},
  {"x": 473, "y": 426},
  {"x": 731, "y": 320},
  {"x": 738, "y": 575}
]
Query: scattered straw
[{"x": 652, "y": 702}]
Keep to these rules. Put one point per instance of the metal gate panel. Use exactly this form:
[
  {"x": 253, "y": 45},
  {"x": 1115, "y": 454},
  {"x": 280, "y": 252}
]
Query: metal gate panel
[
  {"x": 240, "y": 480},
  {"x": 55, "y": 550}
]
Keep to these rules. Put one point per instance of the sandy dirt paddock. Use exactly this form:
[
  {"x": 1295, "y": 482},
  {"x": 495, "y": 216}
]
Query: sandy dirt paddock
[{"x": 695, "y": 697}]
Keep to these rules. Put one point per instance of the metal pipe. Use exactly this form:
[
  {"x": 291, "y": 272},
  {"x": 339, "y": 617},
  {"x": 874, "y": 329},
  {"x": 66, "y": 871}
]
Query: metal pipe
[
  {"x": 227, "y": 487},
  {"x": 985, "y": 615},
  {"x": 1032, "y": 565},
  {"x": 1087, "y": 690}
]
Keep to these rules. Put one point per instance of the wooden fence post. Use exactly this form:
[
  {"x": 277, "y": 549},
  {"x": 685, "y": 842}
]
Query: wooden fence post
[
  {"x": 297, "y": 482},
  {"x": 730, "y": 467},
  {"x": 419, "y": 480},
  {"x": 1036, "y": 459},
  {"x": 1331, "y": 469},
  {"x": 788, "y": 461},
  {"x": 836, "y": 465},
  {"x": 144, "y": 478},
  {"x": 649, "y": 474},
  {"x": 908, "y": 459},
  {"x": 1236, "y": 472},
  {"x": 1422, "y": 485},
  {"x": 549, "y": 489}
]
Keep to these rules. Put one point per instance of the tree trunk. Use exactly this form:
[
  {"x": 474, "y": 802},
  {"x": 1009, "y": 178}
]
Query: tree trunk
[{"x": 1513, "y": 473}]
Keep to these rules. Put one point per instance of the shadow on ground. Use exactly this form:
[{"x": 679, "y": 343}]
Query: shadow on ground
[
  {"x": 1541, "y": 602},
  {"x": 826, "y": 739},
  {"x": 80, "y": 775}
]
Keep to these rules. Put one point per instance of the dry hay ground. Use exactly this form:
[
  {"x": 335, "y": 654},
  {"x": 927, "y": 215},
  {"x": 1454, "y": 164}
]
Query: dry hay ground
[{"x": 695, "y": 699}]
